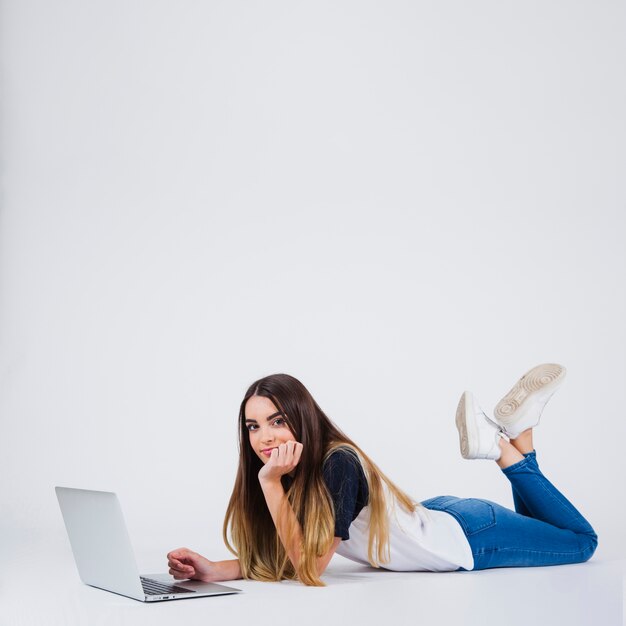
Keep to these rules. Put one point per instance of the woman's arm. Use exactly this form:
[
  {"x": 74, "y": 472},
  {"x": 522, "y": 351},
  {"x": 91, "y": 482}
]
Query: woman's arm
[
  {"x": 185, "y": 563},
  {"x": 283, "y": 460},
  {"x": 284, "y": 518}
]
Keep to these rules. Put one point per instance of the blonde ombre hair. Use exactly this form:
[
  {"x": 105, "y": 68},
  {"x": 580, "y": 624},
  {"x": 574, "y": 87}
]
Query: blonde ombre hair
[{"x": 253, "y": 536}]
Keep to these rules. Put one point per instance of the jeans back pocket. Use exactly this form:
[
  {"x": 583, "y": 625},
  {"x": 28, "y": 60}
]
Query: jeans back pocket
[{"x": 473, "y": 514}]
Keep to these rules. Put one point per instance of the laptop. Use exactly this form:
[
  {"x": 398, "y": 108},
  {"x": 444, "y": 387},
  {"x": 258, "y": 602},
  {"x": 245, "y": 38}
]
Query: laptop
[{"x": 104, "y": 556}]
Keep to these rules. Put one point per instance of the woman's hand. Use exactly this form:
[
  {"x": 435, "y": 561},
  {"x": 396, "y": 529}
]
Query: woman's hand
[
  {"x": 283, "y": 460},
  {"x": 184, "y": 563}
]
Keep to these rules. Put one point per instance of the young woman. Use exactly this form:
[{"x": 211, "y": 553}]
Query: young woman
[{"x": 304, "y": 490}]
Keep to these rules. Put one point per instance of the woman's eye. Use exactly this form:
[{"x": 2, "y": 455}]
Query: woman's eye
[
  {"x": 251, "y": 426},
  {"x": 280, "y": 421}
]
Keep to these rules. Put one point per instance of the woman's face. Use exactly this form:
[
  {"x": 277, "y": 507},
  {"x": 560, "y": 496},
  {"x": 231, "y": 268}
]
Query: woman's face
[{"x": 266, "y": 426}]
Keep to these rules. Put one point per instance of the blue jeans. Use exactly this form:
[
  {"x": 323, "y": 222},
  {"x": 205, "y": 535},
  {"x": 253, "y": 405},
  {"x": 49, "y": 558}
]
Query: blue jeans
[{"x": 545, "y": 528}]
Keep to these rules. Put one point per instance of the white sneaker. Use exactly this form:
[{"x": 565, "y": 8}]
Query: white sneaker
[
  {"x": 479, "y": 436},
  {"x": 521, "y": 408}
]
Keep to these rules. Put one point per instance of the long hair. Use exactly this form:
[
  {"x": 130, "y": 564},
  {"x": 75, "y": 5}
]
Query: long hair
[{"x": 253, "y": 536}]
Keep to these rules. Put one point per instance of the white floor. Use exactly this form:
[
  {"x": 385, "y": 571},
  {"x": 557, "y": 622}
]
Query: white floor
[{"x": 572, "y": 595}]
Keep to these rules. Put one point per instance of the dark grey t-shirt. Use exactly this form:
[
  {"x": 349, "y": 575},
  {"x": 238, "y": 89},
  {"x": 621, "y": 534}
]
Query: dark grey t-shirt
[{"x": 348, "y": 489}]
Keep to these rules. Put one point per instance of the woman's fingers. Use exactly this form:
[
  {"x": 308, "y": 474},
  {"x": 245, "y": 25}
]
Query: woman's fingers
[
  {"x": 180, "y": 553},
  {"x": 289, "y": 454},
  {"x": 174, "y": 564},
  {"x": 179, "y": 562},
  {"x": 297, "y": 453},
  {"x": 283, "y": 459},
  {"x": 176, "y": 561},
  {"x": 285, "y": 453},
  {"x": 180, "y": 570}
]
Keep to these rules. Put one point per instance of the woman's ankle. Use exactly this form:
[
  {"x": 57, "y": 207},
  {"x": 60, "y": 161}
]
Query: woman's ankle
[
  {"x": 523, "y": 443},
  {"x": 509, "y": 454}
]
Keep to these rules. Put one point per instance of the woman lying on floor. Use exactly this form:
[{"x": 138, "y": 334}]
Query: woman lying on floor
[{"x": 304, "y": 490}]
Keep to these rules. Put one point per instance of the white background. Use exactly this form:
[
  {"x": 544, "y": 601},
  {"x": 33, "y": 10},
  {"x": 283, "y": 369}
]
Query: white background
[{"x": 392, "y": 201}]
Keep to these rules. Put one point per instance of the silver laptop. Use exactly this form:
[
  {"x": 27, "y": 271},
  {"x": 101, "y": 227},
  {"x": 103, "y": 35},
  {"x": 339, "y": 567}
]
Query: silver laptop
[{"x": 104, "y": 555}]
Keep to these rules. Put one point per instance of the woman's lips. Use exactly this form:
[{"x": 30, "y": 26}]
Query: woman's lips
[{"x": 268, "y": 452}]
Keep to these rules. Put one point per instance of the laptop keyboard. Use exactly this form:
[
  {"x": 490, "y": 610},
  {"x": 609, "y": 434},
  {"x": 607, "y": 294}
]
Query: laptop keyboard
[{"x": 153, "y": 587}]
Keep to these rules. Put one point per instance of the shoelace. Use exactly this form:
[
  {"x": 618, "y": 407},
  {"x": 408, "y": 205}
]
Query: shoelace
[{"x": 499, "y": 428}]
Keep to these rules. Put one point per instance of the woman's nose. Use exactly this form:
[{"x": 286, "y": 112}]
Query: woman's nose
[{"x": 267, "y": 436}]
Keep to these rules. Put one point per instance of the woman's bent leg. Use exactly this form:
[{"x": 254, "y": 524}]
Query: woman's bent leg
[
  {"x": 546, "y": 529},
  {"x": 550, "y": 532},
  {"x": 515, "y": 540},
  {"x": 500, "y": 537},
  {"x": 518, "y": 502},
  {"x": 542, "y": 500}
]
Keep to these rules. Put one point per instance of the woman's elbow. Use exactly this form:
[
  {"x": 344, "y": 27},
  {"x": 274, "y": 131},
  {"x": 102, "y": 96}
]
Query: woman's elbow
[{"x": 323, "y": 561}]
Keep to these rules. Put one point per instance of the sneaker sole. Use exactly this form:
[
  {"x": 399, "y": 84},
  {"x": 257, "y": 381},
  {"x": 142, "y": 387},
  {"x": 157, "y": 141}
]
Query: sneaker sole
[
  {"x": 540, "y": 378},
  {"x": 462, "y": 425}
]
